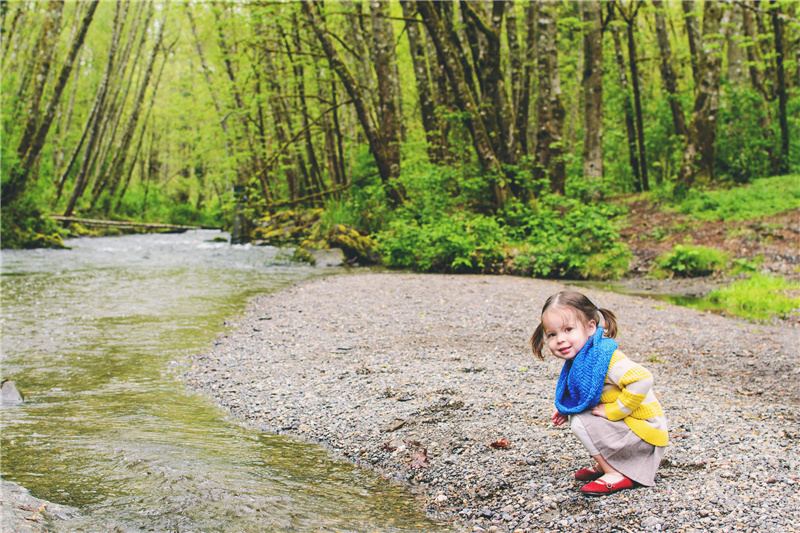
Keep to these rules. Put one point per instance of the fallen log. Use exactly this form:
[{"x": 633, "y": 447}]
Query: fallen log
[{"x": 123, "y": 224}]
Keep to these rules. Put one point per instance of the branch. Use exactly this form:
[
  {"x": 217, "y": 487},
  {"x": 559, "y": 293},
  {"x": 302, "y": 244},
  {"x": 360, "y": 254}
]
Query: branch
[
  {"x": 754, "y": 9},
  {"x": 319, "y": 194}
]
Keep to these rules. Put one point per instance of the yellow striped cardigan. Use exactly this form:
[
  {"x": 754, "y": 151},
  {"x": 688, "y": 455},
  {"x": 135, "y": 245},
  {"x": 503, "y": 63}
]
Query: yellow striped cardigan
[{"x": 628, "y": 396}]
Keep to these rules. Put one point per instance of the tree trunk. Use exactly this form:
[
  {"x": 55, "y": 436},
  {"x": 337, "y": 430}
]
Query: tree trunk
[
  {"x": 94, "y": 121},
  {"x": 114, "y": 172},
  {"x": 279, "y": 124},
  {"x": 780, "y": 86},
  {"x": 550, "y": 111},
  {"x": 256, "y": 165},
  {"x": 424, "y": 92},
  {"x": 516, "y": 60},
  {"x": 388, "y": 84},
  {"x": 46, "y": 45},
  {"x": 522, "y": 113},
  {"x": 637, "y": 97},
  {"x": 692, "y": 35},
  {"x": 698, "y": 156},
  {"x": 592, "y": 91},
  {"x": 753, "y": 53},
  {"x": 668, "y": 76},
  {"x": 463, "y": 95},
  {"x": 735, "y": 57},
  {"x": 627, "y": 109},
  {"x": 376, "y": 141},
  {"x": 16, "y": 183},
  {"x": 315, "y": 173}
]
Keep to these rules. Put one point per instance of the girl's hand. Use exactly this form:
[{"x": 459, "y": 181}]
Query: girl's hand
[
  {"x": 599, "y": 410},
  {"x": 558, "y": 418}
]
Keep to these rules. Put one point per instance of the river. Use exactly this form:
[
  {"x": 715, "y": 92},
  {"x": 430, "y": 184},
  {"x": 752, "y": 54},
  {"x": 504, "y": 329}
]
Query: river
[{"x": 97, "y": 337}]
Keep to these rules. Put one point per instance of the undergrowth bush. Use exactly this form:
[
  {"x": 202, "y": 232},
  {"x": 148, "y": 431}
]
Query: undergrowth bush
[
  {"x": 685, "y": 261},
  {"x": 763, "y": 197},
  {"x": 551, "y": 236},
  {"x": 760, "y": 297}
]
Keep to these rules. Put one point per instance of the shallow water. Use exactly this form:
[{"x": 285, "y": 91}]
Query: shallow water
[{"x": 96, "y": 338}]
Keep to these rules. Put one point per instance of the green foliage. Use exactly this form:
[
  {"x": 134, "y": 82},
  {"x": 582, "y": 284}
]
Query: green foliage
[
  {"x": 564, "y": 238},
  {"x": 460, "y": 242},
  {"x": 24, "y": 225},
  {"x": 760, "y": 297},
  {"x": 744, "y": 144},
  {"x": 442, "y": 229},
  {"x": 764, "y": 197},
  {"x": 685, "y": 261}
]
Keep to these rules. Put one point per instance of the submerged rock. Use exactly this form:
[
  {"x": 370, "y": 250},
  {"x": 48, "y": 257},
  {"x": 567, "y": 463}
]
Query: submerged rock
[{"x": 10, "y": 394}]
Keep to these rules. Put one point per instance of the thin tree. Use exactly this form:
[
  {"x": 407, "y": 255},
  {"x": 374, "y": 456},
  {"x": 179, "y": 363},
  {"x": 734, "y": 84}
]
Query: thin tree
[
  {"x": 668, "y": 76},
  {"x": 698, "y": 156},
  {"x": 550, "y": 163},
  {"x": 627, "y": 108},
  {"x": 454, "y": 60},
  {"x": 592, "y": 91},
  {"x": 17, "y": 181},
  {"x": 629, "y": 17},
  {"x": 387, "y": 168}
]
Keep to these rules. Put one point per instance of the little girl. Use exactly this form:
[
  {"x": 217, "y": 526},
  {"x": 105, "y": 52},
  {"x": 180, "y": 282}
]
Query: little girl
[{"x": 607, "y": 398}]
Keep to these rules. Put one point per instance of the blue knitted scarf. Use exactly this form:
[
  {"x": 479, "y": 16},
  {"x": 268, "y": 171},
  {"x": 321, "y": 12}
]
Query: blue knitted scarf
[{"x": 582, "y": 377}]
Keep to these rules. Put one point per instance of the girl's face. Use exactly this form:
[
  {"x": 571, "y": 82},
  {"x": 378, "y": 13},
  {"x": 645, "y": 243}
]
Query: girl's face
[{"x": 565, "y": 333}]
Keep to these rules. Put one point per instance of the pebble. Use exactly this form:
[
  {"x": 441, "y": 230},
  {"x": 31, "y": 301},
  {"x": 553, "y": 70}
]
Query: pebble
[{"x": 343, "y": 360}]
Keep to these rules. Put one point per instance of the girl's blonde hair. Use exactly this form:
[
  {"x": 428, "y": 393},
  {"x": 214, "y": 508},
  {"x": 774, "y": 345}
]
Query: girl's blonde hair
[{"x": 585, "y": 311}]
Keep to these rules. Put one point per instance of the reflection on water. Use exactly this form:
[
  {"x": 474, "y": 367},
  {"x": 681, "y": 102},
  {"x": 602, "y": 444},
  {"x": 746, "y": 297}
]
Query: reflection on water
[
  {"x": 96, "y": 336},
  {"x": 695, "y": 302}
]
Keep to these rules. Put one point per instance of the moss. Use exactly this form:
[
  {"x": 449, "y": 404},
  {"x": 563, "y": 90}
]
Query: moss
[{"x": 356, "y": 247}]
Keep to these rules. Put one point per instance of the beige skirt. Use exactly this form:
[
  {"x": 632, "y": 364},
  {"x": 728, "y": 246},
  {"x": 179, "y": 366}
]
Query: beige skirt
[{"x": 623, "y": 449}]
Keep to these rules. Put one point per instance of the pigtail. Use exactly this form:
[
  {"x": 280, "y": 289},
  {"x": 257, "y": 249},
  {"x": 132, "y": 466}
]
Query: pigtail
[
  {"x": 537, "y": 341},
  {"x": 609, "y": 322}
]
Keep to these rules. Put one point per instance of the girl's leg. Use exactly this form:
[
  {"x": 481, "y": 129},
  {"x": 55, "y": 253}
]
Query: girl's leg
[{"x": 610, "y": 474}]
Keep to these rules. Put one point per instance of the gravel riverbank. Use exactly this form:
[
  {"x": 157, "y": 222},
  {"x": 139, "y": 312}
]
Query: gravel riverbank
[{"x": 429, "y": 380}]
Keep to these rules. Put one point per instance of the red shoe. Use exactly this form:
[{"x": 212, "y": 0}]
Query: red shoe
[
  {"x": 601, "y": 488},
  {"x": 588, "y": 474}
]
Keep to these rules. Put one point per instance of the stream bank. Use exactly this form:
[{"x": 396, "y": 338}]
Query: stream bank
[{"x": 429, "y": 380}]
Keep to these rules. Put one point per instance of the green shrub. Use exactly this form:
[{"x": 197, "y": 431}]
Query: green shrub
[
  {"x": 563, "y": 238},
  {"x": 685, "y": 261},
  {"x": 760, "y": 297},
  {"x": 764, "y": 197},
  {"x": 460, "y": 243}
]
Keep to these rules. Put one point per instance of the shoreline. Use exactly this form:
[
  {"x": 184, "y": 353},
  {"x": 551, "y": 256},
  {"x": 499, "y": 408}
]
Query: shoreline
[{"x": 423, "y": 378}]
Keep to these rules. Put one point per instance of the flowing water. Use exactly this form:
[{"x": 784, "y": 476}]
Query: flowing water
[{"x": 96, "y": 338}]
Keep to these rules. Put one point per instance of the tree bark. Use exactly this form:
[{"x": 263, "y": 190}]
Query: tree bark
[
  {"x": 114, "y": 172},
  {"x": 257, "y": 166},
  {"x": 637, "y": 96},
  {"x": 627, "y": 109},
  {"x": 388, "y": 84},
  {"x": 376, "y": 141},
  {"x": 550, "y": 110},
  {"x": 592, "y": 91},
  {"x": 94, "y": 121},
  {"x": 698, "y": 156},
  {"x": 496, "y": 111},
  {"x": 424, "y": 92},
  {"x": 780, "y": 86},
  {"x": 17, "y": 181},
  {"x": 463, "y": 95},
  {"x": 668, "y": 76},
  {"x": 46, "y": 45},
  {"x": 315, "y": 173},
  {"x": 692, "y": 35},
  {"x": 522, "y": 113}
]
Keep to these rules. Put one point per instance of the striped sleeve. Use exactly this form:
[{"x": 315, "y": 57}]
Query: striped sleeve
[{"x": 634, "y": 382}]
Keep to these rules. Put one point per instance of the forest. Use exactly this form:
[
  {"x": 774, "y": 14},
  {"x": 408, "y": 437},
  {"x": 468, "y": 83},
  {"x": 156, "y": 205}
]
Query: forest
[{"x": 468, "y": 136}]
